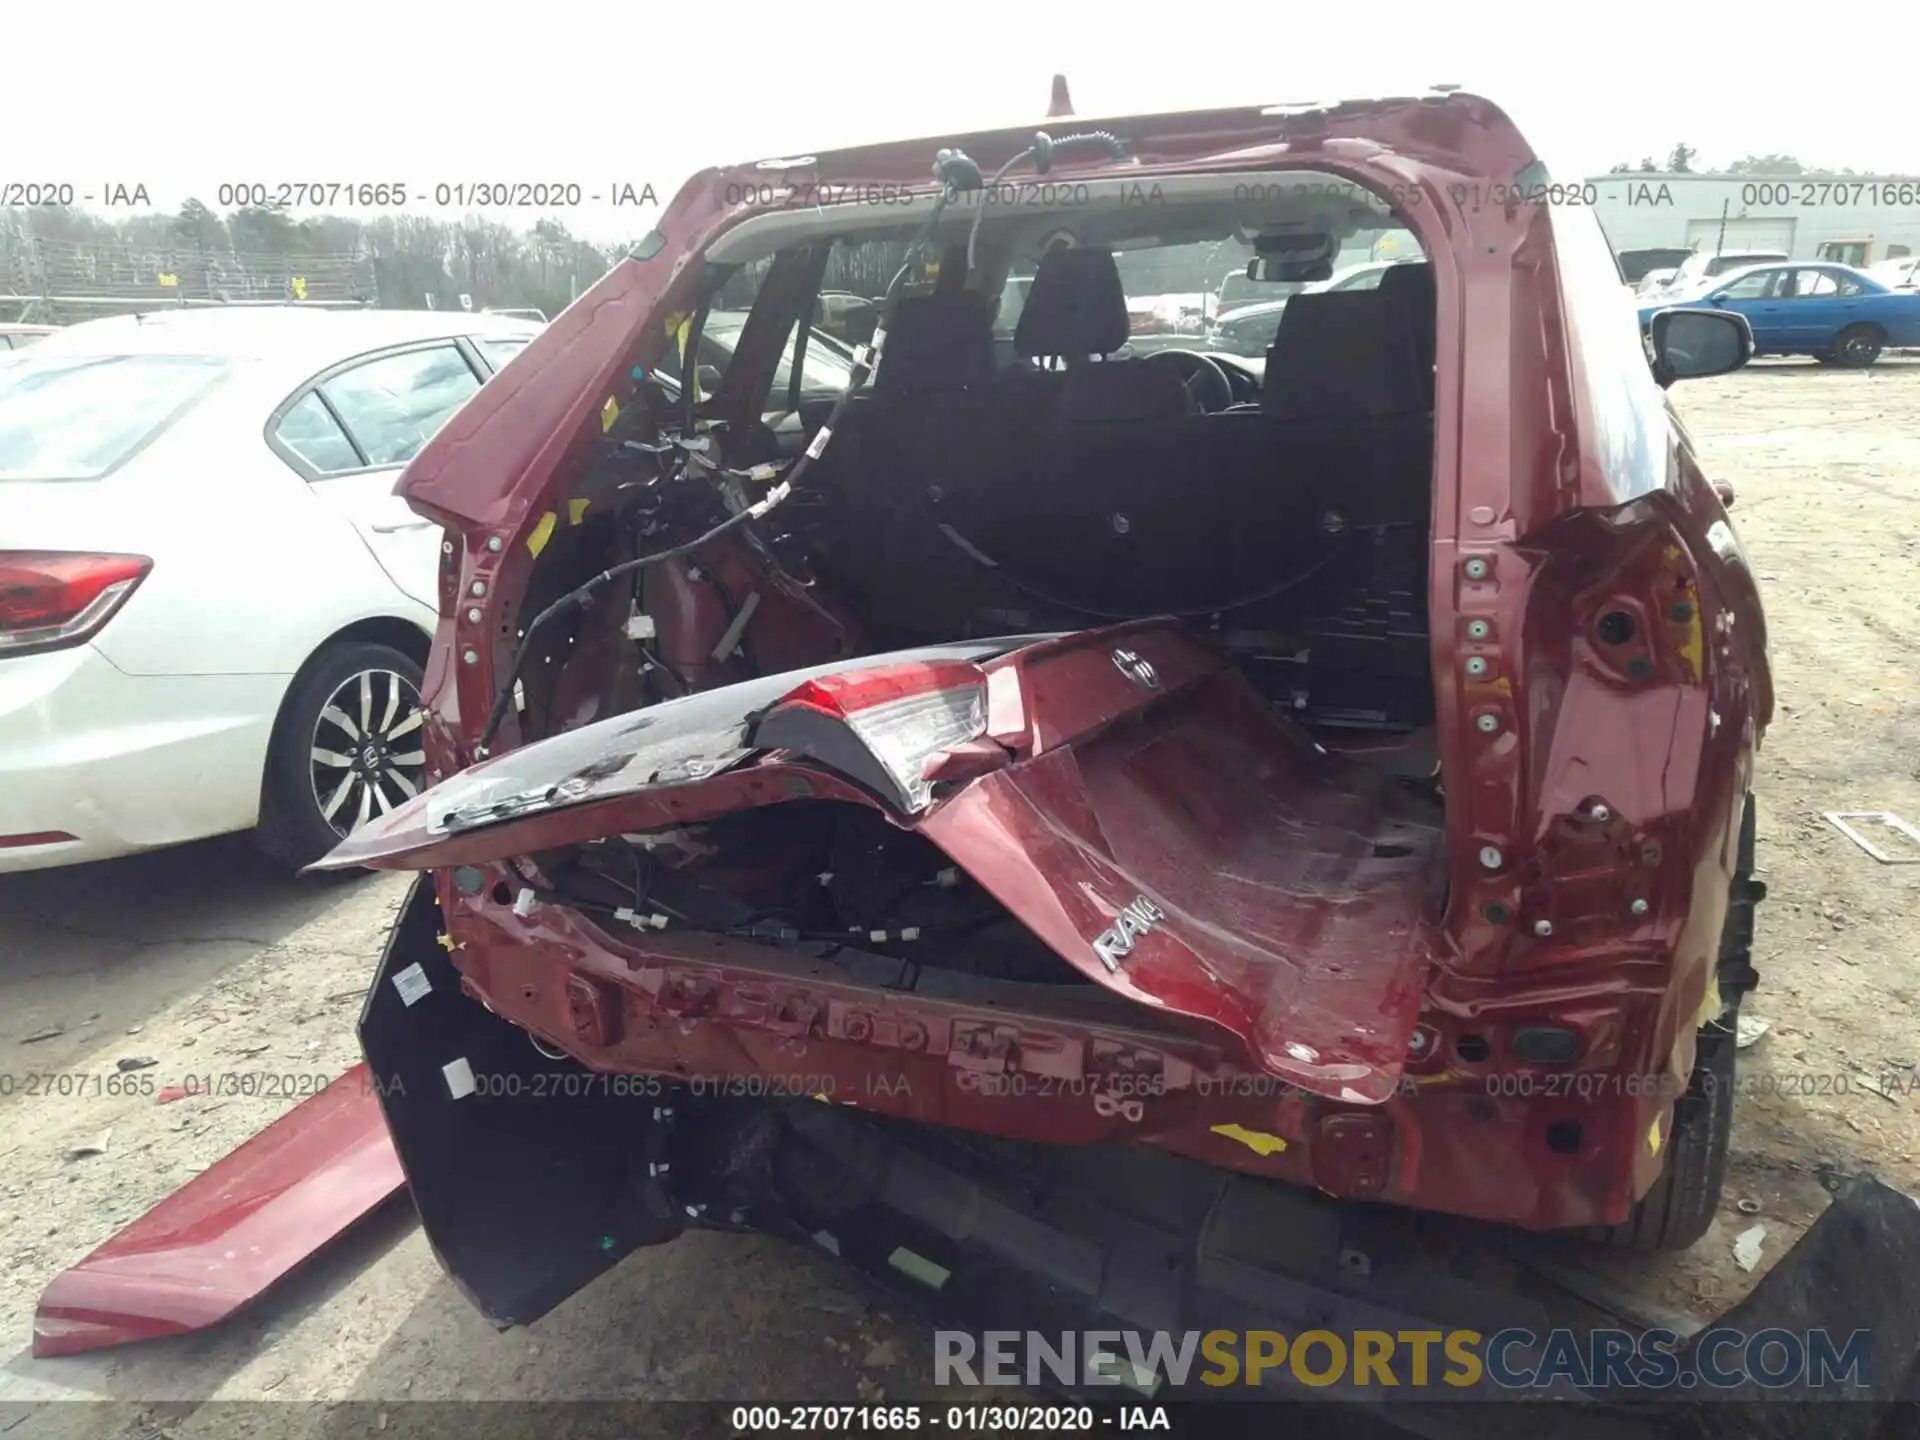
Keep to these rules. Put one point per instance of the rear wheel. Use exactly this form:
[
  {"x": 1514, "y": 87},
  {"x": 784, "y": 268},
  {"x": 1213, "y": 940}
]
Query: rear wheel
[
  {"x": 1858, "y": 346},
  {"x": 1680, "y": 1206},
  {"x": 347, "y": 747}
]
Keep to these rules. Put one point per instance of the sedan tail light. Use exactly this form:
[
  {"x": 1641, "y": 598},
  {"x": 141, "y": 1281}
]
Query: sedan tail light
[
  {"x": 901, "y": 722},
  {"x": 52, "y": 599}
]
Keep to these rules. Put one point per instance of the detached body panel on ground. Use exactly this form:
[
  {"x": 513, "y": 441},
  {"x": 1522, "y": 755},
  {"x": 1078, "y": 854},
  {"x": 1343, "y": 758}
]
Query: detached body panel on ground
[{"x": 231, "y": 1233}]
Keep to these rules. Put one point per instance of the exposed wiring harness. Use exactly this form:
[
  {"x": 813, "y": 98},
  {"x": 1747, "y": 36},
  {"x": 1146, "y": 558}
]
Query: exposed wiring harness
[
  {"x": 1042, "y": 152},
  {"x": 956, "y": 173}
]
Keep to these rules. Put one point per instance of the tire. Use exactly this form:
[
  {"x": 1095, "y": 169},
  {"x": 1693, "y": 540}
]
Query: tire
[
  {"x": 1858, "y": 346},
  {"x": 1679, "y": 1207},
  {"x": 311, "y": 745}
]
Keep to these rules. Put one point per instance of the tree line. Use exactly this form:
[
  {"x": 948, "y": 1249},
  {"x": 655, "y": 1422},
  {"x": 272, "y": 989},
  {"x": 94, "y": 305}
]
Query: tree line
[
  {"x": 396, "y": 261},
  {"x": 1683, "y": 159}
]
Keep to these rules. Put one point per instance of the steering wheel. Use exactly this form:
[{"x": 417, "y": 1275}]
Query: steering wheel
[{"x": 1206, "y": 383}]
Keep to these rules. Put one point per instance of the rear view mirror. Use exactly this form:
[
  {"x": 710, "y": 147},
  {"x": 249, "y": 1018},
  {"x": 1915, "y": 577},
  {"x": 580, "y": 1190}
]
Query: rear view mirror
[
  {"x": 1278, "y": 268},
  {"x": 1718, "y": 297},
  {"x": 1693, "y": 344},
  {"x": 1297, "y": 255}
]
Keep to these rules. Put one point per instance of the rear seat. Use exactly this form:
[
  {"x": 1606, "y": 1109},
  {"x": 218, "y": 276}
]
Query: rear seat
[
  {"x": 1099, "y": 508},
  {"x": 1111, "y": 513},
  {"x": 1076, "y": 314},
  {"x": 1349, "y": 393},
  {"x": 923, "y": 418}
]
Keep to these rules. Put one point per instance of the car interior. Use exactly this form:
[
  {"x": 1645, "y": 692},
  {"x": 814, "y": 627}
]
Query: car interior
[{"x": 1056, "y": 481}]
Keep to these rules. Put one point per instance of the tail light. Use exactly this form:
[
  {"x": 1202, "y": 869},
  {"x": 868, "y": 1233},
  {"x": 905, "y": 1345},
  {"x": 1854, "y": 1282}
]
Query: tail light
[
  {"x": 889, "y": 727},
  {"x": 52, "y": 599}
]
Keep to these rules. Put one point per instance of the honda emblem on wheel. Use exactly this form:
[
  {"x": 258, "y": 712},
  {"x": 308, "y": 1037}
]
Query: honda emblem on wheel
[{"x": 1140, "y": 671}]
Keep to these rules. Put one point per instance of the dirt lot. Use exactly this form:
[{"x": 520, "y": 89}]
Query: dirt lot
[{"x": 200, "y": 961}]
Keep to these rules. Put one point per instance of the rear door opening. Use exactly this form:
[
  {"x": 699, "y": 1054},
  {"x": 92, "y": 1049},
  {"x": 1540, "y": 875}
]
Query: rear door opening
[{"x": 1213, "y": 795}]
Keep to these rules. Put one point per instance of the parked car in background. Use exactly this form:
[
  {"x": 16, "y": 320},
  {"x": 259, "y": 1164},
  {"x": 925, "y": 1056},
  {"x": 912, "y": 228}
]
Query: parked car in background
[
  {"x": 825, "y": 370},
  {"x": 1636, "y": 265},
  {"x": 1179, "y": 314},
  {"x": 1250, "y": 330},
  {"x": 1838, "y": 315},
  {"x": 515, "y": 312},
  {"x": 1240, "y": 289},
  {"x": 1704, "y": 265},
  {"x": 17, "y": 336},
  {"x": 1900, "y": 274},
  {"x": 848, "y": 318},
  {"x": 214, "y": 611},
  {"x": 1654, "y": 281}
]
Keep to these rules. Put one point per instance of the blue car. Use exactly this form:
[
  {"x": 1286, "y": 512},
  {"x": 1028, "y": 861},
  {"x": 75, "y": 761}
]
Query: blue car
[{"x": 1832, "y": 312}]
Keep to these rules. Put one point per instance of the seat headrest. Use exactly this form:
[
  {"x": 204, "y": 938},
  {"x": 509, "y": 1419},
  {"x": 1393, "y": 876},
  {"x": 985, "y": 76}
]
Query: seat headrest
[
  {"x": 1075, "y": 306},
  {"x": 1409, "y": 289},
  {"x": 1409, "y": 283},
  {"x": 937, "y": 342},
  {"x": 1347, "y": 355}
]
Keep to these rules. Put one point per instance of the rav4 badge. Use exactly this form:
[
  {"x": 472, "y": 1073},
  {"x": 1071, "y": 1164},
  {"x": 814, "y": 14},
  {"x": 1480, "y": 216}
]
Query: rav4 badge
[
  {"x": 1137, "y": 669},
  {"x": 1133, "y": 921}
]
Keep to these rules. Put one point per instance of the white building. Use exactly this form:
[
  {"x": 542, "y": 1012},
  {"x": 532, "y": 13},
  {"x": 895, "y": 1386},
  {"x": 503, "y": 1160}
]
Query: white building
[{"x": 1854, "y": 219}]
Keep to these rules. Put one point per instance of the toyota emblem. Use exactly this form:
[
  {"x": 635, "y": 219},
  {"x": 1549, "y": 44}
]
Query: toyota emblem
[{"x": 1140, "y": 671}]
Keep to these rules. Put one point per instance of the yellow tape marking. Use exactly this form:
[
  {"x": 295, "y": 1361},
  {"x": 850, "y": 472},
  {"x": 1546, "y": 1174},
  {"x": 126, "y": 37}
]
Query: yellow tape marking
[
  {"x": 575, "y": 509},
  {"x": 1709, "y": 1003},
  {"x": 1693, "y": 648},
  {"x": 609, "y": 413},
  {"x": 1653, "y": 1137},
  {"x": 542, "y": 533},
  {"x": 1255, "y": 1140}
]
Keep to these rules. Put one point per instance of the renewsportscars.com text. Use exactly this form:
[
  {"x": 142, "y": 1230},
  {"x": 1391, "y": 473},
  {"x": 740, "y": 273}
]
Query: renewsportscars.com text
[{"x": 1446, "y": 1360}]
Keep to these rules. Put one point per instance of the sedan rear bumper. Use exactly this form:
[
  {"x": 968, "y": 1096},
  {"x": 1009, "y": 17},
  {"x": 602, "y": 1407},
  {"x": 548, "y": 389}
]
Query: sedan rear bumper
[{"x": 121, "y": 762}]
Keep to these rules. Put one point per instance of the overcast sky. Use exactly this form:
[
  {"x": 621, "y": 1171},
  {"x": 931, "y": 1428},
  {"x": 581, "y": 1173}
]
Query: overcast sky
[{"x": 419, "y": 92}]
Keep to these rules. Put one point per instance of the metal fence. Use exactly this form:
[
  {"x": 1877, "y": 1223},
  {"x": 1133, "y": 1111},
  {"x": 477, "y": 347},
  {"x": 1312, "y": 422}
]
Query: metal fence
[{"x": 61, "y": 280}]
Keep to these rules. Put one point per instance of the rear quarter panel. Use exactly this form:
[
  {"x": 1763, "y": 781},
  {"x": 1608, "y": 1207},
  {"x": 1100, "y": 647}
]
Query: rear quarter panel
[
  {"x": 252, "y": 571},
  {"x": 1899, "y": 315},
  {"x": 1659, "y": 729}
]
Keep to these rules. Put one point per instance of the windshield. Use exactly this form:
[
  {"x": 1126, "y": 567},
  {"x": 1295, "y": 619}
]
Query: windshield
[
  {"x": 1013, "y": 300},
  {"x": 824, "y": 370},
  {"x": 77, "y": 417},
  {"x": 1240, "y": 288},
  {"x": 1174, "y": 289}
]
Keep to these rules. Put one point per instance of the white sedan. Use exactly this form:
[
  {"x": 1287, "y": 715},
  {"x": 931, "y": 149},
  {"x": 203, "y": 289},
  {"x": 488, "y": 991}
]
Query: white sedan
[{"x": 214, "y": 612}]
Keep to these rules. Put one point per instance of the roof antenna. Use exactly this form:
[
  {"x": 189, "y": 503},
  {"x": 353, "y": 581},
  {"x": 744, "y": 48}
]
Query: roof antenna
[{"x": 1061, "y": 104}]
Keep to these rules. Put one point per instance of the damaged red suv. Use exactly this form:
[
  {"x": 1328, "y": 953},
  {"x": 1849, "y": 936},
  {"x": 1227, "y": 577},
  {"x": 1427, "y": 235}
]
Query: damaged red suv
[{"x": 1335, "y": 769}]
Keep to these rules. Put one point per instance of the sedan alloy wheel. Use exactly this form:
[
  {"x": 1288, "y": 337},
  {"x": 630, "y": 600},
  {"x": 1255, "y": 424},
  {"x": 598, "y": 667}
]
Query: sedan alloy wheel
[{"x": 368, "y": 754}]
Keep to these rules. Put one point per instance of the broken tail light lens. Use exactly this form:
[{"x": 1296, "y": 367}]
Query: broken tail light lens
[
  {"x": 905, "y": 718},
  {"x": 53, "y": 599}
]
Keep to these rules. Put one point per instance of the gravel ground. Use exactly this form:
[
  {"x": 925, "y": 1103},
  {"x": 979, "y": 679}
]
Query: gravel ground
[{"x": 200, "y": 960}]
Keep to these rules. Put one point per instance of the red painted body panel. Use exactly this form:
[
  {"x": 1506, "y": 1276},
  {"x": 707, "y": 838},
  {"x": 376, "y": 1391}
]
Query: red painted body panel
[
  {"x": 232, "y": 1231},
  {"x": 1562, "y": 493},
  {"x": 1286, "y": 925}
]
